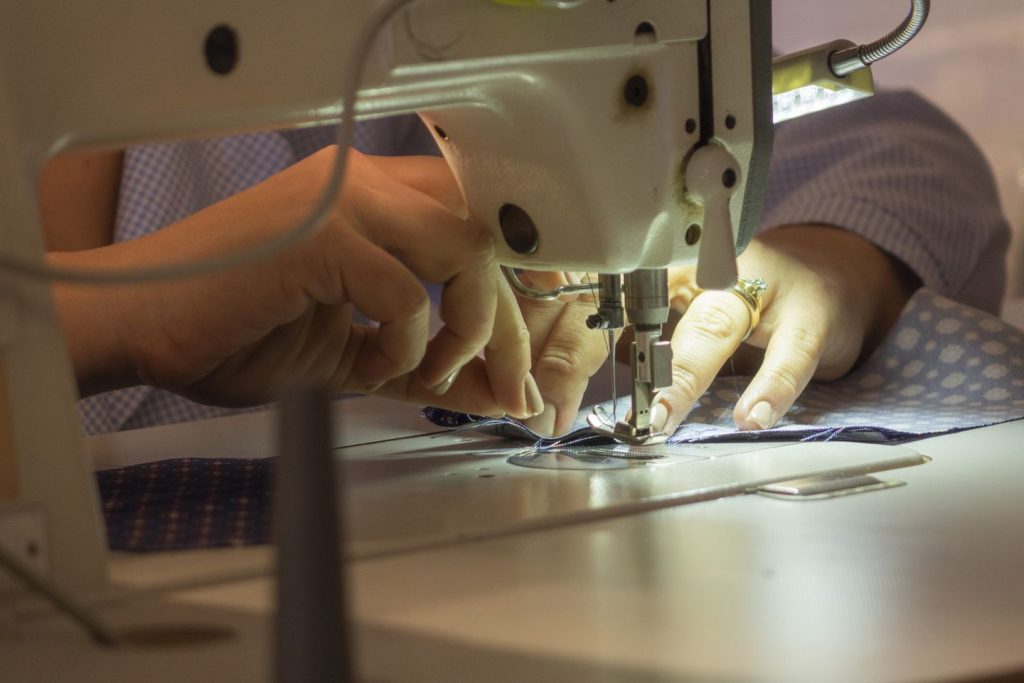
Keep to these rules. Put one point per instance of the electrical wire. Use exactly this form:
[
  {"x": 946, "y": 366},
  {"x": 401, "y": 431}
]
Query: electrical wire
[
  {"x": 853, "y": 59},
  {"x": 27, "y": 268}
]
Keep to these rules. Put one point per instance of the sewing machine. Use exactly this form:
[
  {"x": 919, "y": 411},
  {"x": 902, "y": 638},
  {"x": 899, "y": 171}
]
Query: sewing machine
[
  {"x": 613, "y": 137},
  {"x": 616, "y": 137}
]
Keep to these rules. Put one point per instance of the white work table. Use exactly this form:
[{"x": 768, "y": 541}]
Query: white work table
[{"x": 924, "y": 582}]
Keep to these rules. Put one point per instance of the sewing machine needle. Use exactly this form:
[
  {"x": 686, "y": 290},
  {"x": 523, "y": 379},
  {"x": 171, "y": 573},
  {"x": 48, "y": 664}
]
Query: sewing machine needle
[{"x": 611, "y": 365}]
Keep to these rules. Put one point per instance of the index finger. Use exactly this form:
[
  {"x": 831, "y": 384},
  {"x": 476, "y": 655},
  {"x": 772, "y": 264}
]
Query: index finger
[
  {"x": 438, "y": 246},
  {"x": 564, "y": 363},
  {"x": 705, "y": 338}
]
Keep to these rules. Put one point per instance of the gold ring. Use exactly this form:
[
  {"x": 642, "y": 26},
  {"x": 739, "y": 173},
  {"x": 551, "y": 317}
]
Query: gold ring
[{"x": 750, "y": 292}]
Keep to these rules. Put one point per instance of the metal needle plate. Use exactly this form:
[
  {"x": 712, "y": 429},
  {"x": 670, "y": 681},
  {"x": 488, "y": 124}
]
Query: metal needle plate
[
  {"x": 454, "y": 488},
  {"x": 614, "y": 457}
]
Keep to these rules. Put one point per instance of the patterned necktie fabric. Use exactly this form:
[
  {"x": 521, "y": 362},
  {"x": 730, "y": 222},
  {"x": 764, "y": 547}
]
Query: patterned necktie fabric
[
  {"x": 186, "y": 504},
  {"x": 944, "y": 367}
]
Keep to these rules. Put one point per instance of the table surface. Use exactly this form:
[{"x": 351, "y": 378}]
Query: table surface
[{"x": 598, "y": 576}]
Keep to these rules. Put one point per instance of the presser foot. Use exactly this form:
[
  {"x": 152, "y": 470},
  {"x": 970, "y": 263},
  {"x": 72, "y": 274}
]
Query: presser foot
[{"x": 624, "y": 432}]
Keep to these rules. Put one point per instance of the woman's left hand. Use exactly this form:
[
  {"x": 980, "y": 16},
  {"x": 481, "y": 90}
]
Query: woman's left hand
[{"x": 831, "y": 296}]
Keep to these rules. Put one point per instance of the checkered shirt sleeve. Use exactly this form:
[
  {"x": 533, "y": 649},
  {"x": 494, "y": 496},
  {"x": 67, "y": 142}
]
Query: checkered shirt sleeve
[{"x": 897, "y": 171}]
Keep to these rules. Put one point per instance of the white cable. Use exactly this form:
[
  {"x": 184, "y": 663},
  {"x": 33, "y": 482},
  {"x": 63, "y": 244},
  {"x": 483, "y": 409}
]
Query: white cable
[{"x": 18, "y": 265}]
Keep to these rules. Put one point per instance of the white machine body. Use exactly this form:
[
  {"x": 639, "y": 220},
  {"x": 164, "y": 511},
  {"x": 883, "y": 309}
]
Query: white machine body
[{"x": 535, "y": 106}]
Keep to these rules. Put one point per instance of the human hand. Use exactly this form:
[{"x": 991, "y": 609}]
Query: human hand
[
  {"x": 565, "y": 353},
  {"x": 831, "y": 296},
  {"x": 232, "y": 338},
  {"x": 559, "y": 347}
]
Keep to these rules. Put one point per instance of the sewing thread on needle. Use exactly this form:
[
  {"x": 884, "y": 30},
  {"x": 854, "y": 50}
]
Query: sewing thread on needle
[
  {"x": 611, "y": 365},
  {"x": 610, "y": 343}
]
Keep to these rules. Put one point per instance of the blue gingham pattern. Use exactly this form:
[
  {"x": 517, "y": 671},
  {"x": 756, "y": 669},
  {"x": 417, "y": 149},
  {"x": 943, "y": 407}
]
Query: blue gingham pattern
[
  {"x": 161, "y": 184},
  {"x": 897, "y": 171}
]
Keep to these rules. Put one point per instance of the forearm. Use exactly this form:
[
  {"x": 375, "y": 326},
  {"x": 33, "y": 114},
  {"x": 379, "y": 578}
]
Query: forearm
[
  {"x": 896, "y": 171},
  {"x": 78, "y": 195},
  {"x": 92, "y": 320},
  {"x": 124, "y": 335}
]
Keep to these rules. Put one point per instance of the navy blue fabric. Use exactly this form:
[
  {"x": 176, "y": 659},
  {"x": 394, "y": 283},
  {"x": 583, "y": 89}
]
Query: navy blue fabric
[{"x": 187, "y": 503}]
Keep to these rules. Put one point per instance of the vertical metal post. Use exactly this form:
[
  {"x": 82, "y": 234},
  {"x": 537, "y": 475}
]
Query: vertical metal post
[{"x": 312, "y": 639}]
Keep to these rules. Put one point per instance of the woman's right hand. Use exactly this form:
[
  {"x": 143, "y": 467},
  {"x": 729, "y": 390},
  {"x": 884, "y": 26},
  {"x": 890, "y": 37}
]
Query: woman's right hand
[{"x": 235, "y": 337}]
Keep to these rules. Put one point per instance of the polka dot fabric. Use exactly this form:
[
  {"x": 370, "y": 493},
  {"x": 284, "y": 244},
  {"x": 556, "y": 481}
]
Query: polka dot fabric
[
  {"x": 943, "y": 367},
  {"x": 189, "y": 503}
]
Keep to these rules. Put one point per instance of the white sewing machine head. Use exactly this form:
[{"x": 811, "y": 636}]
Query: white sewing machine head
[{"x": 568, "y": 124}]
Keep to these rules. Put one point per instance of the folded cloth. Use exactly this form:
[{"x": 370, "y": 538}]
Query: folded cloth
[{"x": 944, "y": 367}]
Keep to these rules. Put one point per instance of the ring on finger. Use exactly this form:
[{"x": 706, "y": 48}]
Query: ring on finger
[{"x": 751, "y": 293}]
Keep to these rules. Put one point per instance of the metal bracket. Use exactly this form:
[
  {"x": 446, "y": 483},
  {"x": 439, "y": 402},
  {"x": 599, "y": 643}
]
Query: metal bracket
[
  {"x": 624, "y": 432},
  {"x": 829, "y": 485},
  {"x": 23, "y": 535},
  {"x": 522, "y": 288}
]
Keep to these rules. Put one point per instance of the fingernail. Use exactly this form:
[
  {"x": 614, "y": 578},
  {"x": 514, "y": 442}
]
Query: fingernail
[
  {"x": 543, "y": 423},
  {"x": 761, "y": 415},
  {"x": 372, "y": 388},
  {"x": 659, "y": 417},
  {"x": 534, "y": 401},
  {"x": 442, "y": 387}
]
